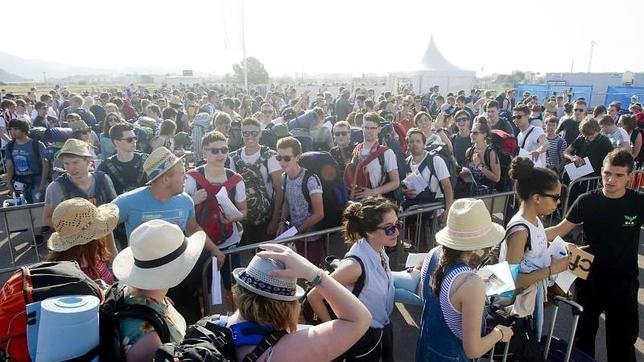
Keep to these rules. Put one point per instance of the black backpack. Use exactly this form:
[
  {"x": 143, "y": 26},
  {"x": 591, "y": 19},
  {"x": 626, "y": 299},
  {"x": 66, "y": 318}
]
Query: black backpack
[
  {"x": 334, "y": 193},
  {"x": 207, "y": 341},
  {"x": 112, "y": 311}
]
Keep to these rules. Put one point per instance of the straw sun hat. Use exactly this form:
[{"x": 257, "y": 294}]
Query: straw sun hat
[
  {"x": 77, "y": 222},
  {"x": 159, "y": 256},
  {"x": 469, "y": 227},
  {"x": 159, "y": 162},
  {"x": 75, "y": 147},
  {"x": 256, "y": 278}
]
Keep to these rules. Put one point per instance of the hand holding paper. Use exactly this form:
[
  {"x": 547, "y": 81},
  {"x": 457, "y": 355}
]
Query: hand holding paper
[
  {"x": 575, "y": 172},
  {"x": 497, "y": 278},
  {"x": 228, "y": 208}
]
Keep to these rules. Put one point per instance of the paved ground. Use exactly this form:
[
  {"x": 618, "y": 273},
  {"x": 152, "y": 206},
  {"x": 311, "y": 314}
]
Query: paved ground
[{"x": 405, "y": 318}]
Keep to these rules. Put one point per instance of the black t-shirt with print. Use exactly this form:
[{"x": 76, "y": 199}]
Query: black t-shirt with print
[
  {"x": 596, "y": 150},
  {"x": 611, "y": 229}
]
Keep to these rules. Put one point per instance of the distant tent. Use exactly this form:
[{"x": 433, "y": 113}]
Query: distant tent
[{"x": 433, "y": 69}]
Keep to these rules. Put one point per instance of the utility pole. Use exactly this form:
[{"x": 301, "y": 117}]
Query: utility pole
[
  {"x": 590, "y": 59},
  {"x": 44, "y": 77}
]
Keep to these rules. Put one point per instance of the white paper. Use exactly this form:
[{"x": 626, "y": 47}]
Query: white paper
[
  {"x": 292, "y": 231},
  {"x": 575, "y": 172},
  {"x": 557, "y": 248},
  {"x": 416, "y": 182},
  {"x": 215, "y": 287},
  {"x": 538, "y": 163},
  {"x": 565, "y": 279},
  {"x": 414, "y": 259},
  {"x": 497, "y": 278},
  {"x": 227, "y": 207}
]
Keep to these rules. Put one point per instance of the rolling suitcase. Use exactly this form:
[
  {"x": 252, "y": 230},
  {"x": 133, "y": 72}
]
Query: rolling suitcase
[{"x": 555, "y": 349}]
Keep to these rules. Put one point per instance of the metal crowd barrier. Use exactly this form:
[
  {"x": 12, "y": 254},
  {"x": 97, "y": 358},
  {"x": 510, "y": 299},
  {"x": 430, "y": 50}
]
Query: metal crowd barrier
[
  {"x": 17, "y": 219},
  {"x": 578, "y": 187},
  {"x": 501, "y": 206}
]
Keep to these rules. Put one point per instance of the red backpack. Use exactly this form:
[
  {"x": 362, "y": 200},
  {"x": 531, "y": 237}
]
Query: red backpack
[
  {"x": 207, "y": 213},
  {"x": 355, "y": 173},
  {"x": 504, "y": 142},
  {"x": 34, "y": 284}
]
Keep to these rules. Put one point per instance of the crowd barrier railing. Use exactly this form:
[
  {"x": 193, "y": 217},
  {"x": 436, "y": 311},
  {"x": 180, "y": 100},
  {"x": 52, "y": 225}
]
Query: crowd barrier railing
[
  {"x": 578, "y": 187},
  {"x": 501, "y": 207},
  {"x": 16, "y": 219}
]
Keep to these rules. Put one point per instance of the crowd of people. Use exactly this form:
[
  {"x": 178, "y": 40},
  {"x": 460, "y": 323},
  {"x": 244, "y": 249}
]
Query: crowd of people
[{"x": 135, "y": 181}]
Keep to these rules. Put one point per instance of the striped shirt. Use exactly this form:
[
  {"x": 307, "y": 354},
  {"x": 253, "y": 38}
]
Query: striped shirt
[
  {"x": 453, "y": 318},
  {"x": 556, "y": 147}
]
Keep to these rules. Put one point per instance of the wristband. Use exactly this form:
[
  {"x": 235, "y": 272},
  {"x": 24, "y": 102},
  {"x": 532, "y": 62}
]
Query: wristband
[{"x": 317, "y": 280}]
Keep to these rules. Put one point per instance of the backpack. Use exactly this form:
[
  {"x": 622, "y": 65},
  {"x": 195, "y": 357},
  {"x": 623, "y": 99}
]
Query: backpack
[
  {"x": 425, "y": 196},
  {"x": 307, "y": 312},
  {"x": 117, "y": 176},
  {"x": 34, "y": 284},
  {"x": 441, "y": 150},
  {"x": 506, "y": 148},
  {"x": 38, "y": 163},
  {"x": 101, "y": 196},
  {"x": 144, "y": 135},
  {"x": 209, "y": 340},
  {"x": 259, "y": 204},
  {"x": 207, "y": 213},
  {"x": 355, "y": 173},
  {"x": 110, "y": 314},
  {"x": 334, "y": 193}
]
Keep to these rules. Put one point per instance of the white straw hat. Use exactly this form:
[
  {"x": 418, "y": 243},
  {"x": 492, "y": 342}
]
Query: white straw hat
[
  {"x": 159, "y": 256},
  {"x": 469, "y": 227},
  {"x": 257, "y": 278}
]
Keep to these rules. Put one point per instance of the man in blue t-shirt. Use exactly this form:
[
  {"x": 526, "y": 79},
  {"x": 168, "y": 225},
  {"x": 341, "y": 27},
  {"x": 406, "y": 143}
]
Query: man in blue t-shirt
[
  {"x": 164, "y": 199},
  {"x": 26, "y": 163}
]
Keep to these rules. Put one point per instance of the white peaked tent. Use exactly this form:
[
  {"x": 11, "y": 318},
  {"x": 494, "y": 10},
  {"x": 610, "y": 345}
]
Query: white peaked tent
[{"x": 434, "y": 69}]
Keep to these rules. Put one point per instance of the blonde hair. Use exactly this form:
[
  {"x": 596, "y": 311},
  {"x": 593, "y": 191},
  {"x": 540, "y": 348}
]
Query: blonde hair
[{"x": 280, "y": 315}]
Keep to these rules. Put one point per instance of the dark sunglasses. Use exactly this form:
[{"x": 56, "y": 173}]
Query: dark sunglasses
[
  {"x": 341, "y": 133},
  {"x": 391, "y": 229},
  {"x": 285, "y": 158},
  {"x": 462, "y": 119},
  {"x": 517, "y": 116},
  {"x": 579, "y": 109},
  {"x": 555, "y": 198},
  {"x": 216, "y": 151},
  {"x": 250, "y": 133}
]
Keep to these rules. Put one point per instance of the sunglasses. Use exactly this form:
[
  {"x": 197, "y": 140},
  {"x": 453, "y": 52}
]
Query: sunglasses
[
  {"x": 129, "y": 139},
  {"x": 216, "y": 151},
  {"x": 579, "y": 109},
  {"x": 250, "y": 133},
  {"x": 341, "y": 133},
  {"x": 285, "y": 158},
  {"x": 461, "y": 119},
  {"x": 555, "y": 198},
  {"x": 391, "y": 229},
  {"x": 518, "y": 116}
]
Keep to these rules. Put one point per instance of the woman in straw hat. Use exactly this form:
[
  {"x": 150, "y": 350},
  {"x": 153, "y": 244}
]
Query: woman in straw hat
[
  {"x": 267, "y": 296},
  {"x": 159, "y": 257},
  {"x": 84, "y": 234},
  {"x": 452, "y": 325},
  {"x": 370, "y": 225}
]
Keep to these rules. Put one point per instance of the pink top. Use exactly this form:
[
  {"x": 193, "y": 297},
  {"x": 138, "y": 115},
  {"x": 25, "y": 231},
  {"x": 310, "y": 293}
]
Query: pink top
[{"x": 104, "y": 272}]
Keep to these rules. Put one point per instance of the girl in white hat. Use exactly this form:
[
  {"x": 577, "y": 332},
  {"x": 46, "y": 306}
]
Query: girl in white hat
[
  {"x": 267, "y": 296},
  {"x": 452, "y": 326}
]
